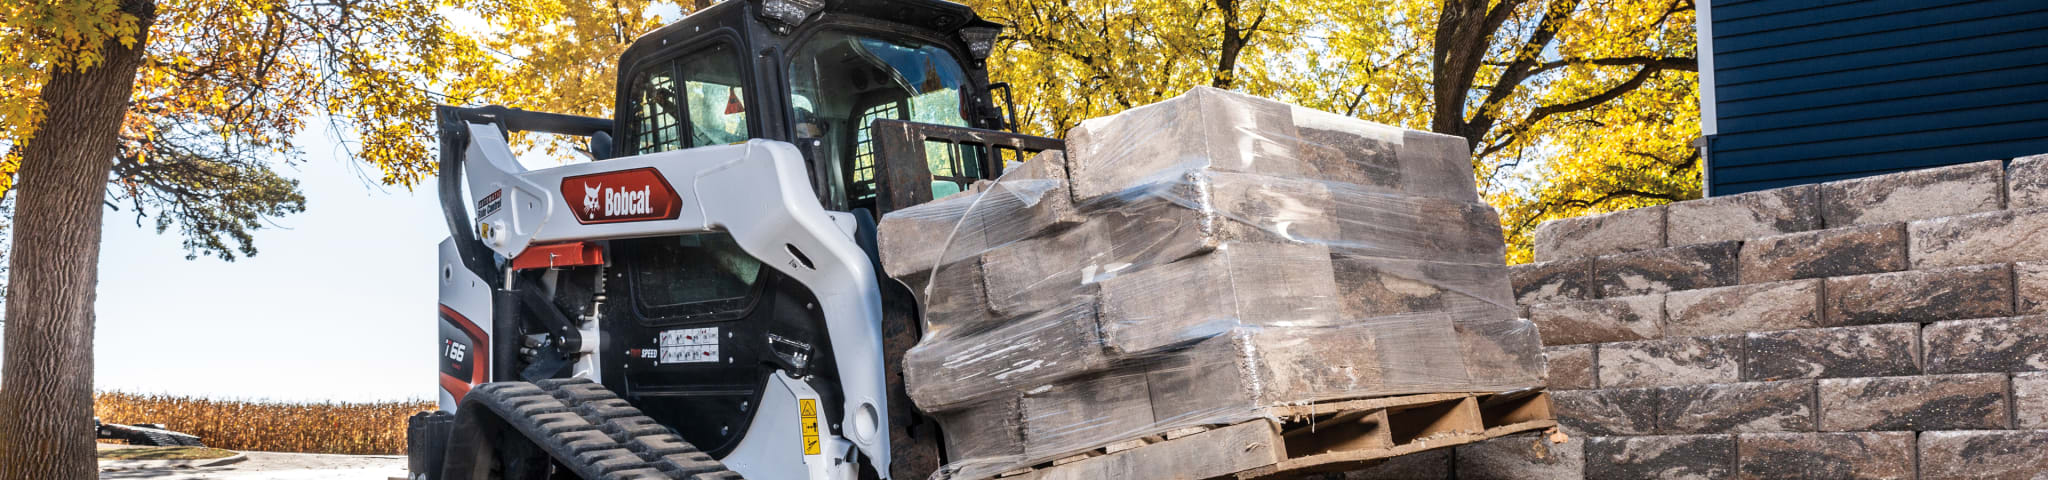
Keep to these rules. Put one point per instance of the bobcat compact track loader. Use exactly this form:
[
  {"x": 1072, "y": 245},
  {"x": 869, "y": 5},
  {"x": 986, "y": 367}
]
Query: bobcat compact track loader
[{"x": 702, "y": 300}]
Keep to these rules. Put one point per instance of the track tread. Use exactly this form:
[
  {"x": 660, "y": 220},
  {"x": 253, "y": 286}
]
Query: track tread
[{"x": 595, "y": 433}]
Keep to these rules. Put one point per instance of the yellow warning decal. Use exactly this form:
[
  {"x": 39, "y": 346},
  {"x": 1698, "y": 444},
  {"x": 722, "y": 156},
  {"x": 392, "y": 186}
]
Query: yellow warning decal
[{"x": 809, "y": 410}]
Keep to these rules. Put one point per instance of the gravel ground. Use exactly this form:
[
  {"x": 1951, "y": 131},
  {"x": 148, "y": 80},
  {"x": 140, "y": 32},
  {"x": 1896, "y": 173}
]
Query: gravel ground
[{"x": 281, "y": 466}]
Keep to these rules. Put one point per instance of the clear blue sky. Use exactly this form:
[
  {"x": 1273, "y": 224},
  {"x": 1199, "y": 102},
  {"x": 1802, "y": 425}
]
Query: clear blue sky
[{"x": 338, "y": 305}]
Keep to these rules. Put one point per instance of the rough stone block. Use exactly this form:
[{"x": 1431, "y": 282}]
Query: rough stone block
[
  {"x": 1501, "y": 352},
  {"x": 1931, "y": 402},
  {"x": 943, "y": 374},
  {"x": 1028, "y": 201},
  {"x": 1605, "y": 320},
  {"x": 1552, "y": 282},
  {"x": 1424, "y": 465},
  {"x": 1990, "y": 237},
  {"x": 1865, "y": 351},
  {"x": 913, "y": 240},
  {"x": 1825, "y": 253},
  {"x": 1522, "y": 457},
  {"x": 1736, "y": 408},
  {"x": 1744, "y": 216},
  {"x": 1982, "y": 455},
  {"x": 1370, "y": 286},
  {"x": 2026, "y": 180},
  {"x": 1035, "y": 274},
  {"x": 1085, "y": 412},
  {"x": 1987, "y": 345},
  {"x": 2032, "y": 285},
  {"x": 1743, "y": 308},
  {"x": 1920, "y": 295},
  {"x": 2030, "y": 399},
  {"x": 1231, "y": 374},
  {"x": 1617, "y": 411},
  {"x": 1875, "y": 455},
  {"x": 1670, "y": 457},
  {"x": 1207, "y": 295},
  {"x": 1603, "y": 234},
  {"x": 1667, "y": 362},
  {"x": 1571, "y": 367},
  {"x": 1667, "y": 269},
  {"x": 1914, "y": 195},
  {"x": 990, "y": 430}
]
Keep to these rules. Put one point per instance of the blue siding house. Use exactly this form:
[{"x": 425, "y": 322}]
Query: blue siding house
[{"x": 1805, "y": 91}]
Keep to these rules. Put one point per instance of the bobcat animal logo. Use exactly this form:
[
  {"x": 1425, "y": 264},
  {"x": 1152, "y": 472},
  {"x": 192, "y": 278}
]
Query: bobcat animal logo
[{"x": 592, "y": 200}]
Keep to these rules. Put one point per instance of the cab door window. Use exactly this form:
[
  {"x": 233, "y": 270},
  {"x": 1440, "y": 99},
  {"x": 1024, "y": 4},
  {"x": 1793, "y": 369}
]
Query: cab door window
[{"x": 694, "y": 100}]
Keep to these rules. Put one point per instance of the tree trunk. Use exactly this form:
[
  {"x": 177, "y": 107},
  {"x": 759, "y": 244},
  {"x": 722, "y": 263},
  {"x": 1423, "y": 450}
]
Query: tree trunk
[{"x": 46, "y": 383}]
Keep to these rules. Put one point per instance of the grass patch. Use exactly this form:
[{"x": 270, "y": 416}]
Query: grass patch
[{"x": 164, "y": 453}]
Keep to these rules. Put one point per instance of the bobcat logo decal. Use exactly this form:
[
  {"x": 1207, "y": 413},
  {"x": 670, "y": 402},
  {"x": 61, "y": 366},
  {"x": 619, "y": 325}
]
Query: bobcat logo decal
[
  {"x": 632, "y": 195},
  {"x": 592, "y": 197}
]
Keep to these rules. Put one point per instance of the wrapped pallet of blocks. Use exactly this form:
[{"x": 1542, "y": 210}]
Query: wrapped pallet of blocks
[{"x": 1193, "y": 263}]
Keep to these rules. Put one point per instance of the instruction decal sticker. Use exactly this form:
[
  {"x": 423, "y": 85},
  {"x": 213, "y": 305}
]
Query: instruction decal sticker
[
  {"x": 808, "y": 409},
  {"x": 688, "y": 345}
]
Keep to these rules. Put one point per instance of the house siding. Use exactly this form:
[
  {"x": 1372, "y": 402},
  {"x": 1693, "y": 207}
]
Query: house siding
[{"x": 1811, "y": 91}]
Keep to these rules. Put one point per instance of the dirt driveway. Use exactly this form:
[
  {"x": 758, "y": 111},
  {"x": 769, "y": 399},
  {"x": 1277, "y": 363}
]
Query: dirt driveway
[{"x": 281, "y": 466}]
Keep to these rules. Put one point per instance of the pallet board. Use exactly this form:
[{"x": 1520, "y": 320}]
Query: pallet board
[{"x": 1300, "y": 439}]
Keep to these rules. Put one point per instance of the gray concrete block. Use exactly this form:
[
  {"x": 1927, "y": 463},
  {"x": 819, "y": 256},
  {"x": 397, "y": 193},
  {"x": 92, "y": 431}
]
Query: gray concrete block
[
  {"x": 1030, "y": 200},
  {"x": 1378, "y": 224},
  {"x": 1987, "y": 345},
  {"x": 1736, "y": 408},
  {"x": 1864, "y": 351},
  {"x": 2026, "y": 181},
  {"x": 1252, "y": 284},
  {"x": 1931, "y": 402},
  {"x": 1825, "y": 253},
  {"x": 1605, "y": 320},
  {"x": 1744, "y": 216},
  {"x": 942, "y": 374},
  {"x": 1423, "y": 465},
  {"x": 2031, "y": 283},
  {"x": 1914, "y": 195},
  {"x": 1668, "y": 362},
  {"x": 1667, "y": 269},
  {"x": 1373, "y": 286},
  {"x": 1601, "y": 234},
  {"x": 1920, "y": 295},
  {"x": 2030, "y": 399},
  {"x": 1615, "y": 411},
  {"x": 1670, "y": 457},
  {"x": 1571, "y": 367},
  {"x": 1743, "y": 308},
  {"x": 1501, "y": 352},
  {"x": 1522, "y": 457},
  {"x": 1872, "y": 455},
  {"x": 913, "y": 240},
  {"x": 1981, "y": 455},
  {"x": 1086, "y": 412},
  {"x": 1039, "y": 273},
  {"x": 1552, "y": 282},
  {"x": 1990, "y": 237},
  {"x": 987, "y": 430}
]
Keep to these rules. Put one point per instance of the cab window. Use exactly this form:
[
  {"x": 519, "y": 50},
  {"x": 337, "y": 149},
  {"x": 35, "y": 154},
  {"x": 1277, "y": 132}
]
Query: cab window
[
  {"x": 841, "y": 82},
  {"x": 691, "y": 101}
]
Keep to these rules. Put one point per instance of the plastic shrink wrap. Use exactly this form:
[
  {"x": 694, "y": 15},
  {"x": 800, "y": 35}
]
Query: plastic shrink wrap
[{"x": 1192, "y": 262}]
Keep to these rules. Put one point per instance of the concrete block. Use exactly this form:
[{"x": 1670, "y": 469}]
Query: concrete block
[
  {"x": 1736, "y": 408},
  {"x": 1423, "y": 465},
  {"x": 1207, "y": 295},
  {"x": 2030, "y": 399},
  {"x": 959, "y": 304},
  {"x": 1086, "y": 412},
  {"x": 1667, "y": 269},
  {"x": 1602, "y": 234},
  {"x": 1920, "y": 295},
  {"x": 1233, "y": 373},
  {"x": 1744, "y": 216},
  {"x": 1039, "y": 273},
  {"x": 943, "y": 374},
  {"x": 1522, "y": 457},
  {"x": 1825, "y": 253},
  {"x": 1029, "y": 200},
  {"x": 1914, "y": 195},
  {"x": 2031, "y": 282},
  {"x": 1552, "y": 282},
  {"x": 987, "y": 430},
  {"x": 913, "y": 240},
  {"x": 1987, "y": 345},
  {"x": 1374, "y": 223},
  {"x": 1571, "y": 367},
  {"x": 1500, "y": 352},
  {"x": 1743, "y": 308},
  {"x": 1994, "y": 455},
  {"x": 1619, "y": 411},
  {"x": 1864, "y": 351},
  {"x": 1873, "y": 455},
  {"x": 1931, "y": 402},
  {"x": 1605, "y": 320},
  {"x": 1674, "y": 361},
  {"x": 2026, "y": 180},
  {"x": 1990, "y": 237},
  {"x": 1372, "y": 286},
  {"x": 1670, "y": 457}
]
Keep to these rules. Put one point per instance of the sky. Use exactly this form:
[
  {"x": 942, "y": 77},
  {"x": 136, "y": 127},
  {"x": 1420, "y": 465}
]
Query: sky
[{"x": 337, "y": 305}]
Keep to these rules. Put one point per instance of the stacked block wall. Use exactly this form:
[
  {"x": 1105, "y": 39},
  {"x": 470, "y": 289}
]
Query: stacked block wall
[{"x": 1885, "y": 327}]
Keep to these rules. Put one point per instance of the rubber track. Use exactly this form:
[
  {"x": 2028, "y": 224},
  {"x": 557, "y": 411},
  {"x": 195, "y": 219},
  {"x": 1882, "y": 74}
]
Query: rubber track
[{"x": 595, "y": 433}]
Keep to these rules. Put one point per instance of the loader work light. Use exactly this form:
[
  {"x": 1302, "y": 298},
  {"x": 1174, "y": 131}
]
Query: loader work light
[
  {"x": 789, "y": 13},
  {"x": 980, "y": 40}
]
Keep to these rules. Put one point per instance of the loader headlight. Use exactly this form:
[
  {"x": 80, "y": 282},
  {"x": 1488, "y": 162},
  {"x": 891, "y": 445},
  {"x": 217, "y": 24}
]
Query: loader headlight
[
  {"x": 787, "y": 14},
  {"x": 980, "y": 40}
]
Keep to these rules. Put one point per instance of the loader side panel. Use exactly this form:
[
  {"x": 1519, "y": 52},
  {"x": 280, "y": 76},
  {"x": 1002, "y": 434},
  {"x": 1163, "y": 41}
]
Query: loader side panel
[{"x": 463, "y": 350}]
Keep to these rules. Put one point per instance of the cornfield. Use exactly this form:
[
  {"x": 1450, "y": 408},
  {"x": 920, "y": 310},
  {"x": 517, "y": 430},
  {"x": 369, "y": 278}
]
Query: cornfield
[{"x": 349, "y": 428}]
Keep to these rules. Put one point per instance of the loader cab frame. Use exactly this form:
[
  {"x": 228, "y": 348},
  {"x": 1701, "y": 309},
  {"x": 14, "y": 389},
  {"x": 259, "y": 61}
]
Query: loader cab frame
[{"x": 819, "y": 80}]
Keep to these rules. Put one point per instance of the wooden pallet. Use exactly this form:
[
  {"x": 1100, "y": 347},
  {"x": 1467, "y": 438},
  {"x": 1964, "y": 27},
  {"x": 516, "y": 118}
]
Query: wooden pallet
[{"x": 1296, "y": 440}]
